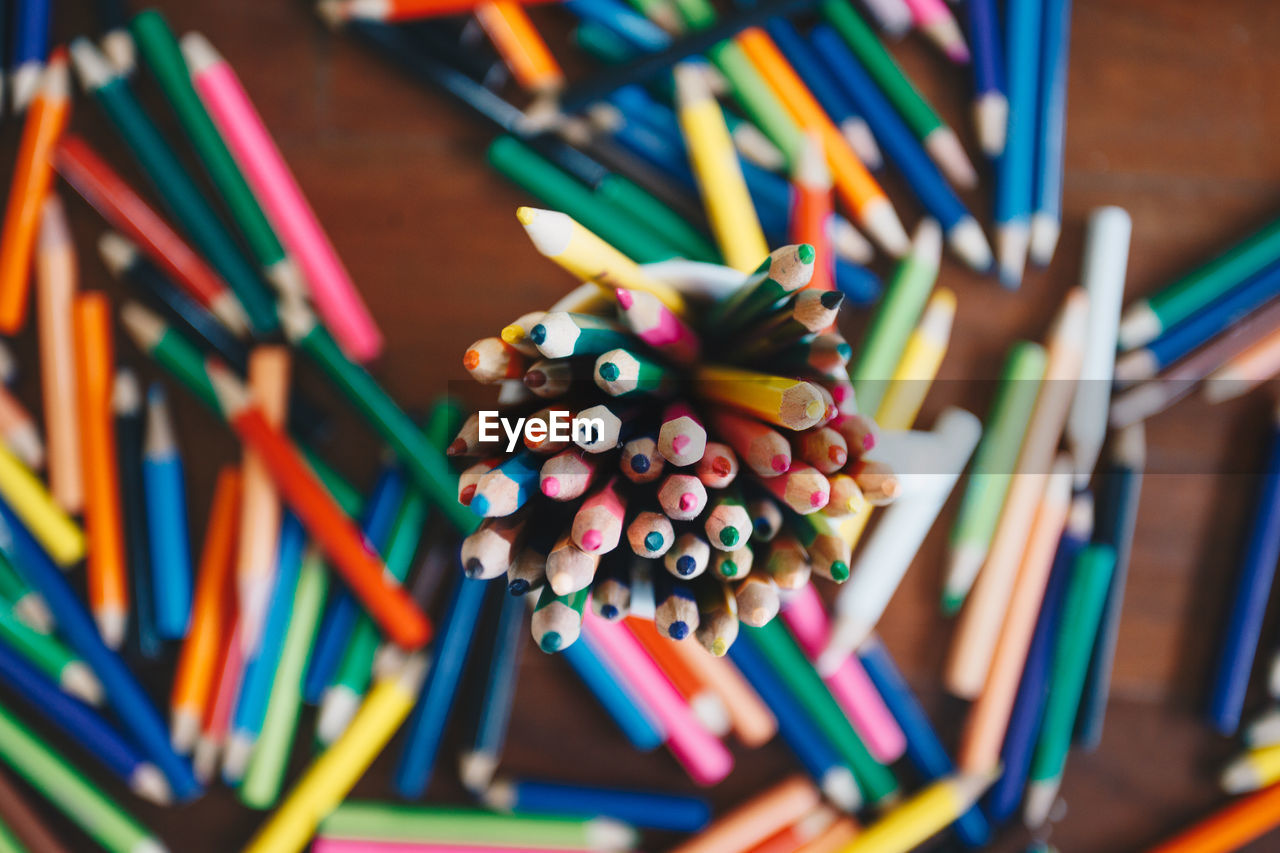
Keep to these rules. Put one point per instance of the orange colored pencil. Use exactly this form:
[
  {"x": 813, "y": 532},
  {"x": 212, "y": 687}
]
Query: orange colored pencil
[
  {"x": 1231, "y": 828},
  {"x": 757, "y": 819},
  {"x": 212, "y": 612},
  {"x": 32, "y": 176},
  {"x": 105, "y": 567},
  {"x": 229, "y": 673},
  {"x": 364, "y": 573},
  {"x": 811, "y": 210},
  {"x": 56, "y": 277},
  {"x": 520, "y": 45},
  {"x": 857, "y": 188},
  {"x": 707, "y": 705},
  {"x": 259, "y": 503},
  {"x": 749, "y": 717}
]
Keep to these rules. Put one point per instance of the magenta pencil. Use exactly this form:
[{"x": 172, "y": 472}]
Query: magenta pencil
[
  {"x": 295, "y": 223},
  {"x": 706, "y": 759},
  {"x": 849, "y": 684},
  {"x": 597, "y": 525},
  {"x": 658, "y": 326},
  {"x": 936, "y": 21},
  {"x": 567, "y": 475}
]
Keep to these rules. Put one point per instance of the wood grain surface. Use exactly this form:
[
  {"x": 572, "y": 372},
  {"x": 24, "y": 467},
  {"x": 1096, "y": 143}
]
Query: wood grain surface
[{"x": 1173, "y": 115}]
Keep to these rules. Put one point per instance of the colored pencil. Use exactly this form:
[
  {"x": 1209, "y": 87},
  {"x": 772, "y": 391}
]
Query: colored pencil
[
  {"x": 971, "y": 649},
  {"x": 32, "y": 178},
  {"x": 935, "y": 20},
  {"x": 924, "y": 815},
  {"x": 124, "y": 210},
  {"x": 1016, "y": 166},
  {"x": 1240, "y": 640},
  {"x": 937, "y": 138},
  {"x": 210, "y": 614},
  {"x": 281, "y": 199},
  {"x": 521, "y": 47},
  {"x": 1256, "y": 362},
  {"x": 756, "y": 819},
  {"x": 461, "y": 827},
  {"x": 336, "y": 11},
  {"x": 1051, "y": 131},
  {"x": 1230, "y": 828},
  {"x": 993, "y": 465},
  {"x": 167, "y": 519},
  {"x": 649, "y": 810},
  {"x": 172, "y": 182},
  {"x": 124, "y": 694},
  {"x": 66, "y": 789},
  {"x": 56, "y": 282},
  {"x": 127, "y": 421},
  {"x": 330, "y": 777},
  {"x": 921, "y": 359},
  {"x": 618, "y": 697},
  {"x": 385, "y": 599},
  {"x": 47, "y": 654},
  {"x": 1117, "y": 521},
  {"x": 477, "y": 765},
  {"x": 990, "y": 104},
  {"x": 886, "y": 556}
]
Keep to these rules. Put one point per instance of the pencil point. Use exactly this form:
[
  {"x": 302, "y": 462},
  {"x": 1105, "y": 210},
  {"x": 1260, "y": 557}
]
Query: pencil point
[
  {"x": 991, "y": 116},
  {"x": 78, "y": 680},
  {"x": 1045, "y": 230},
  {"x": 944, "y": 147},
  {"x": 883, "y": 225},
  {"x": 1041, "y": 795},
  {"x": 551, "y": 642},
  {"x": 199, "y": 52},
  {"x": 678, "y": 630},
  {"x": 729, "y": 537},
  {"x": 970, "y": 244},
  {"x": 839, "y": 571}
]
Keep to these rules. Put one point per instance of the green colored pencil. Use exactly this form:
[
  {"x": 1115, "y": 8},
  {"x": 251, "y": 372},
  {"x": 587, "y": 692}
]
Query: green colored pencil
[
  {"x": 938, "y": 139},
  {"x": 1077, "y": 630},
  {"x": 1147, "y": 319},
  {"x": 356, "y": 668},
  {"x": 66, "y": 788},
  {"x": 426, "y": 465},
  {"x": 622, "y": 193},
  {"x": 790, "y": 664},
  {"x": 444, "y": 825},
  {"x": 992, "y": 470},
  {"x": 172, "y": 183},
  {"x": 263, "y": 779},
  {"x": 559, "y": 191},
  {"x": 47, "y": 653},
  {"x": 896, "y": 316},
  {"x": 163, "y": 56}
]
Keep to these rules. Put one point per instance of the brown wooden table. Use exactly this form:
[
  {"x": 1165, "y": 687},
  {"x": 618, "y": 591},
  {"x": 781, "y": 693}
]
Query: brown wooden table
[{"x": 1173, "y": 115}]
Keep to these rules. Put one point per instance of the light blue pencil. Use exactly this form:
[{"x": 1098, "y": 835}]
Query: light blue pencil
[
  {"x": 638, "y": 727},
  {"x": 260, "y": 671},
  {"x": 166, "y": 499},
  {"x": 1016, "y": 164}
]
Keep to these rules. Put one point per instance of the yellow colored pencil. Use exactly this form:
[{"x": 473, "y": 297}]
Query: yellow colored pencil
[
  {"x": 332, "y": 776},
  {"x": 792, "y": 403},
  {"x": 585, "y": 255},
  {"x": 921, "y": 359},
  {"x": 923, "y": 816},
  {"x": 715, "y": 164},
  {"x": 31, "y": 502},
  {"x": 1258, "y": 768}
]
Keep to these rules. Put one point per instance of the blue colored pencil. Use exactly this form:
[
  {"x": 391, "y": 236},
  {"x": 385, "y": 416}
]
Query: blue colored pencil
[
  {"x": 990, "y": 104},
  {"x": 1253, "y": 587},
  {"x": 635, "y": 29},
  {"x": 506, "y": 488},
  {"x": 827, "y": 90},
  {"x": 125, "y": 696},
  {"x": 1117, "y": 520},
  {"x": 82, "y": 724},
  {"x": 477, "y": 766},
  {"x": 644, "y": 809},
  {"x": 426, "y": 725},
  {"x": 126, "y": 411},
  {"x": 260, "y": 670},
  {"x": 30, "y": 49},
  {"x": 342, "y": 609},
  {"x": 166, "y": 496},
  {"x": 1201, "y": 327},
  {"x": 1014, "y": 169},
  {"x": 1028, "y": 706},
  {"x": 901, "y": 147},
  {"x": 627, "y": 710},
  {"x": 811, "y": 749},
  {"x": 1046, "y": 214},
  {"x": 924, "y": 749}
]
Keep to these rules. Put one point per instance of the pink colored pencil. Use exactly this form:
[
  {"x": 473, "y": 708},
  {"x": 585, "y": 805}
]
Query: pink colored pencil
[
  {"x": 350, "y": 845},
  {"x": 330, "y": 286},
  {"x": 658, "y": 326},
  {"x": 682, "y": 439},
  {"x": 704, "y": 758},
  {"x": 597, "y": 526},
  {"x": 849, "y": 684},
  {"x": 936, "y": 21}
]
